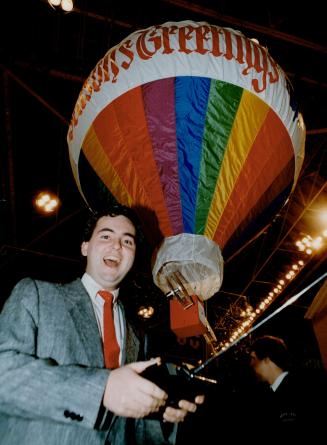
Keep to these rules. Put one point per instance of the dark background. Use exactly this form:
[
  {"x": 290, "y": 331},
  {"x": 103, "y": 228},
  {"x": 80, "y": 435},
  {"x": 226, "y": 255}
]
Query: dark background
[{"x": 46, "y": 54}]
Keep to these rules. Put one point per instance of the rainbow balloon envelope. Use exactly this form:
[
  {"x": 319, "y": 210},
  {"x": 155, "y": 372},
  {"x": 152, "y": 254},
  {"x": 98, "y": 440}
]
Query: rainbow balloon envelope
[{"x": 195, "y": 123}]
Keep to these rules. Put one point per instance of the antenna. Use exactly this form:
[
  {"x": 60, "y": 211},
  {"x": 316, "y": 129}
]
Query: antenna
[{"x": 287, "y": 303}]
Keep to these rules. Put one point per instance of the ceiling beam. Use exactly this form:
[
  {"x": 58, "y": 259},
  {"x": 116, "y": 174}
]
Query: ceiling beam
[{"x": 247, "y": 25}]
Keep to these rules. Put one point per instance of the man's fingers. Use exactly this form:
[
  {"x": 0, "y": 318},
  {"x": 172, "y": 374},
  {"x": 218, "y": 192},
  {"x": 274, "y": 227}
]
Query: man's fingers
[
  {"x": 141, "y": 366},
  {"x": 146, "y": 386},
  {"x": 199, "y": 399},
  {"x": 174, "y": 415},
  {"x": 151, "y": 389},
  {"x": 187, "y": 406}
]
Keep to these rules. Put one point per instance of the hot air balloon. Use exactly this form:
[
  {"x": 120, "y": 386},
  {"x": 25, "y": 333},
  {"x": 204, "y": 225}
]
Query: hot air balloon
[{"x": 197, "y": 124}]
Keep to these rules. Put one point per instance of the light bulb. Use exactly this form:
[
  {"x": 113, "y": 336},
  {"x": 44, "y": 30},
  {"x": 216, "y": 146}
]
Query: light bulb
[
  {"x": 54, "y": 2},
  {"x": 67, "y": 5}
]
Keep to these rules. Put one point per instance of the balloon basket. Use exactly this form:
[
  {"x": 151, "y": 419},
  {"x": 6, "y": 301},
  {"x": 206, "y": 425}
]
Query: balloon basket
[{"x": 187, "y": 322}]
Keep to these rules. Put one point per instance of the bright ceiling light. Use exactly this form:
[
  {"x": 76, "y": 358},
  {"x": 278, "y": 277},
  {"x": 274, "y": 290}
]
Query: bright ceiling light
[
  {"x": 46, "y": 202},
  {"x": 146, "y": 312},
  {"x": 317, "y": 242},
  {"x": 323, "y": 216},
  {"x": 54, "y": 2},
  {"x": 67, "y": 5}
]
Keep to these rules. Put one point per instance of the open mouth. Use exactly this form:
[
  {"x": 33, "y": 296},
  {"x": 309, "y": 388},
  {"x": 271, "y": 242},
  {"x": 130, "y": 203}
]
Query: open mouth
[{"x": 111, "y": 261}]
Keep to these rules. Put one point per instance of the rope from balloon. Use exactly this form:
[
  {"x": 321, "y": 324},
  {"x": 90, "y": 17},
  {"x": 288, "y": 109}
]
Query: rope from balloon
[{"x": 175, "y": 282}]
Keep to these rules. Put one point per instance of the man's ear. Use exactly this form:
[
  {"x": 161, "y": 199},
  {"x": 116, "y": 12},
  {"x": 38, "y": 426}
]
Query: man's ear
[{"x": 84, "y": 248}]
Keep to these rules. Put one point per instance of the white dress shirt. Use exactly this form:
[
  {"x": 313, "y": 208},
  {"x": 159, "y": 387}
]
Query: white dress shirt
[{"x": 278, "y": 381}]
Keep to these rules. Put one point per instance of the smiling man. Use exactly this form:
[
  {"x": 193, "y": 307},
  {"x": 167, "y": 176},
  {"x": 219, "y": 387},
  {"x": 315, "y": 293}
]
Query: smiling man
[
  {"x": 110, "y": 251},
  {"x": 55, "y": 384}
]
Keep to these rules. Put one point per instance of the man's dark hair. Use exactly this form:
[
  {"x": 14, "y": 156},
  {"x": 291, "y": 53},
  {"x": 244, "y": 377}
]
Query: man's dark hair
[
  {"x": 114, "y": 210},
  {"x": 273, "y": 348}
]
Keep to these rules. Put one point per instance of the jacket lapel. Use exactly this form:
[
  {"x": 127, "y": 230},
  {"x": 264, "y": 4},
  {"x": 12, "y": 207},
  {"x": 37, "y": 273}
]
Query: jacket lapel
[
  {"x": 82, "y": 314},
  {"x": 132, "y": 343}
]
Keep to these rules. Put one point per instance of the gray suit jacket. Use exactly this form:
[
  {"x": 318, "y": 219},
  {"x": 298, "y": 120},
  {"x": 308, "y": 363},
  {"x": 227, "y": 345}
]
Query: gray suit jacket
[{"x": 52, "y": 375}]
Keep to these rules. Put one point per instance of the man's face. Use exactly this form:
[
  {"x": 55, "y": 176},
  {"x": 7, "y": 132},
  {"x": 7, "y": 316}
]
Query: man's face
[
  {"x": 259, "y": 366},
  {"x": 110, "y": 251}
]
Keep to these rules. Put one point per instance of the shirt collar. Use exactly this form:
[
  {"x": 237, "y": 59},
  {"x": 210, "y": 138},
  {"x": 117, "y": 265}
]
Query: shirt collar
[
  {"x": 92, "y": 287},
  {"x": 279, "y": 380}
]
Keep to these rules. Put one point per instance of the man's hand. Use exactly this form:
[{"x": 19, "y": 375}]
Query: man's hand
[
  {"x": 176, "y": 415},
  {"x": 128, "y": 394}
]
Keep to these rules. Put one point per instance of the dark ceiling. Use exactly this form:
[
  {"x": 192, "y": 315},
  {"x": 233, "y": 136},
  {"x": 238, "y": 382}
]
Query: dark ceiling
[{"x": 45, "y": 57}]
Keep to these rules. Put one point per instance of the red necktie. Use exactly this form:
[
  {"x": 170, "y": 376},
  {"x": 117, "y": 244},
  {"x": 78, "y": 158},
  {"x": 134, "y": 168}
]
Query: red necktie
[{"x": 110, "y": 344}]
